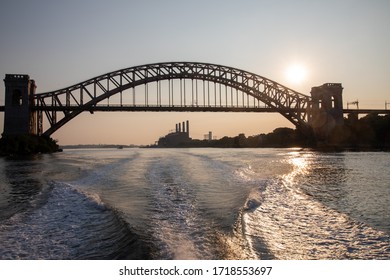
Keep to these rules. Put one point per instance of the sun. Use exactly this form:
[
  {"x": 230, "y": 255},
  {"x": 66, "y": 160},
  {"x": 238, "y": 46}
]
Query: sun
[{"x": 296, "y": 73}]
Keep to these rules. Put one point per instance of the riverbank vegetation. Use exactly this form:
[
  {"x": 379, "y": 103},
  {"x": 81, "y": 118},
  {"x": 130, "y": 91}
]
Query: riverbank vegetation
[
  {"x": 27, "y": 145},
  {"x": 369, "y": 132}
]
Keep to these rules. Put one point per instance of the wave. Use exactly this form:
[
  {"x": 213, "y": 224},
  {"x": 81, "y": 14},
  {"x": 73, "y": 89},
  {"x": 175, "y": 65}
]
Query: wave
[
  {"x": 71, "y": 225},
  {"x": 178, "y": 229},
  {"x": 282, "y": 222}
]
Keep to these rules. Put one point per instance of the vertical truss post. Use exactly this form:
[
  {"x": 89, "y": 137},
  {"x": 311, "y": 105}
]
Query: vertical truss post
[
  {"x": 237, "y": 97},
  {"x": 169, "y": 92},
  {"x": 226, "y": 96},
  {"x": 173, "y": 88},
  {"x": 220, "y": 95},
  {"x": 181, "y": 97},
  {"x": 184, "y": 83},
  {"x": 192, "y": 92},
  {"x": 215, "y": 94}
]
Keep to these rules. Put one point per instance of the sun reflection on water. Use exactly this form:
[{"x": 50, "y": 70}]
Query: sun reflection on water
[{"x": 294, "y": 222}]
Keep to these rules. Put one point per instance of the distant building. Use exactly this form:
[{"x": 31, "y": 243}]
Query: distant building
[
  {"x": 180, "y": 136},
  {"x": 208, "y": 136}
]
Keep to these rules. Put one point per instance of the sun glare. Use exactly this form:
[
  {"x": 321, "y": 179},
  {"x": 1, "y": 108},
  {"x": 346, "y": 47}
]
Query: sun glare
[{"x": 296, "y": 73}]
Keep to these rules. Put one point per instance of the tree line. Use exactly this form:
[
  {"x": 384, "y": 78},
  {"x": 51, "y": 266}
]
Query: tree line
[{"x": 27, "y": 145}]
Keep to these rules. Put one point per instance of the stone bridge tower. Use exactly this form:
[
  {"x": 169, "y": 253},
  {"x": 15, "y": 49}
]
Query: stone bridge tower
[
  {"x": 326, "y": 110},
  {"x": 19, "y": 119}
]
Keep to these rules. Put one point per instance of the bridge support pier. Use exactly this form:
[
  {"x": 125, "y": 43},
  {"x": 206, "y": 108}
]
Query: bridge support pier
[
  {"x": 19, "y": 118},
  {"x": 326, "y": 110}
]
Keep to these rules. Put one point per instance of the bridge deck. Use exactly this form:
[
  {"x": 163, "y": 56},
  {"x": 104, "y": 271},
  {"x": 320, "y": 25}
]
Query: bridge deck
[
  {"x": 366, "y": 111},
  {"x": 123, "y": 108},
  {"x": 162, "y": 108}
]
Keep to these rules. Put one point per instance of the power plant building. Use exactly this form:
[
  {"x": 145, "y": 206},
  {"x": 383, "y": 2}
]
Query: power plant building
[{"x": 180, "y": 136}]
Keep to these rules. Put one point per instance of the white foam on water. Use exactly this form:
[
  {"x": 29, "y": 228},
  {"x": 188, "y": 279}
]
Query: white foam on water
[
  {"x": 289, "y": 224},
  {"x": 70, "y": 225}
]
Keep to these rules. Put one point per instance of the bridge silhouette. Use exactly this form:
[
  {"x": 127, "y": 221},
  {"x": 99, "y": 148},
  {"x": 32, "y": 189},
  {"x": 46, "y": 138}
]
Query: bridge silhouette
[{"x": 173, "y": 86}]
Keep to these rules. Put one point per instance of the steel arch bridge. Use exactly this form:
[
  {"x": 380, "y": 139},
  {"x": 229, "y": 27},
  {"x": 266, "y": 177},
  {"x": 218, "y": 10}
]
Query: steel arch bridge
[{"x": 173, "y": 86}]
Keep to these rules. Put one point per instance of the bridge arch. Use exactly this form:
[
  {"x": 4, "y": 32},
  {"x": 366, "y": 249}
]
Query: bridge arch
[{"x": 63, "y": 105}]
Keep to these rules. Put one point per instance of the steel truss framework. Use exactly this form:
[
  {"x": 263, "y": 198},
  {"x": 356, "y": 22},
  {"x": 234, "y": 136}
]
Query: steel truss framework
[{"x": 228, "y": 85}]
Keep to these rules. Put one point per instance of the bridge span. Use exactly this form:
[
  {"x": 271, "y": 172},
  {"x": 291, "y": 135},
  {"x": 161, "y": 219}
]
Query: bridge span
[{"x": 172, "y": 86}]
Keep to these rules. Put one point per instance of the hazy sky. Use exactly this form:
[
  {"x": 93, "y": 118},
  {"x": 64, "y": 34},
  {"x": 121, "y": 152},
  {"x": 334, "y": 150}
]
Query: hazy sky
[{"x": 60, "y": 43}]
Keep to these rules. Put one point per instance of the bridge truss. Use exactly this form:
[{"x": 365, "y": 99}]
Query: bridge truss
[{"x": 174, "y": 86}]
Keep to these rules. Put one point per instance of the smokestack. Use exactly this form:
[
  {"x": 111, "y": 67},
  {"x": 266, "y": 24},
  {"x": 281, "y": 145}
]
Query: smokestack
[
  {"x": 188, "y": 129},
  {"x": 179, "y": 127},
  {"x": 184, "y": 127}
]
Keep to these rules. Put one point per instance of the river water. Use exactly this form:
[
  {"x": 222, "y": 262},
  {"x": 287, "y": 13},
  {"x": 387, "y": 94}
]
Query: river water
[{"x": 195, "y": 204}]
